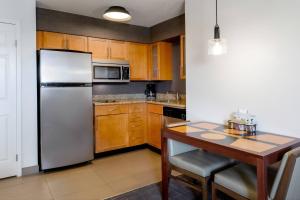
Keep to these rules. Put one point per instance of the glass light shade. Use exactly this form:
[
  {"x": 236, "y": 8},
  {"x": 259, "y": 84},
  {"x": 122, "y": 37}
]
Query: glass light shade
[
  {"x": 117, "y": 13},
  {"x": 217, "y": 47}
]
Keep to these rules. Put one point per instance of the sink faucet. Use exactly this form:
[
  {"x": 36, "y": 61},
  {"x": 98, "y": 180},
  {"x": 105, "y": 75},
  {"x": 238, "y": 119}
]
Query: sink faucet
[{"x": 177, "y": 96}]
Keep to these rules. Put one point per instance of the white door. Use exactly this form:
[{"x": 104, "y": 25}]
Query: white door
[{"x": 8, "y": 101}]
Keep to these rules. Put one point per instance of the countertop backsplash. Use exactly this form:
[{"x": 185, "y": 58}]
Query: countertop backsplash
[{"x": 159, "y": 96}]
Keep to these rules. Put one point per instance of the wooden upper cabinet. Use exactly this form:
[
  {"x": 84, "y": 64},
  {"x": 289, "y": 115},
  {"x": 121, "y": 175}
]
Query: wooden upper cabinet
[
  {"x": 117, "y": 50},
  {"x": 107, "y": 49},
  {"x": 53, "y": 40},
  {"x": 182, "y": 57},
  {"x": 76, "y": 43},
  {"x": 161, "y": 67},
  {"x": 98, "y": 47},
  {"x": 138, "y": 59},
  {"x": 39, "y": 40}
]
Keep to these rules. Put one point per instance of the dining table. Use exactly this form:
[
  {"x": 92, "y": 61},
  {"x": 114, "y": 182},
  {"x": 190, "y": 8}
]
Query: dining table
[{"x": 259, "y": 149}]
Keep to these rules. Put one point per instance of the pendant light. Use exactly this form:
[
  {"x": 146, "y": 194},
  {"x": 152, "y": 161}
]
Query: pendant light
[
  {"x": 117, "y": 14},
  {"x": 217, "y": 46}
]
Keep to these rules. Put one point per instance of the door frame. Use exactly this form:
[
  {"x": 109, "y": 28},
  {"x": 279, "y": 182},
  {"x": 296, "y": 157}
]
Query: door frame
[{"x": 16, "y": 23}]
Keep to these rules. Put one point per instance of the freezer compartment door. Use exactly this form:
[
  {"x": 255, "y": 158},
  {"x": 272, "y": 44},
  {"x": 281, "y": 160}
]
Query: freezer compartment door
[
  {"x": 66, "y": 123},
  {"x": 64, "y": 67}
]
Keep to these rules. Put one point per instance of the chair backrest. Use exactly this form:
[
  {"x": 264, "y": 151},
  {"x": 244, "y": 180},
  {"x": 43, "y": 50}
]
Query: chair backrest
[
  {"x": 287, "y": 181},
  {"x": 175, "y": 147}
]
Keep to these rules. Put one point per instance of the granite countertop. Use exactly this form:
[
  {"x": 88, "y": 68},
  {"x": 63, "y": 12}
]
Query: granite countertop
[{"x": 171, "y": 103}]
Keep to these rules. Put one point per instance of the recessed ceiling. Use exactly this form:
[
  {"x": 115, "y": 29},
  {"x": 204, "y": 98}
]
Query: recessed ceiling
[{"x": 144, "y": 12}]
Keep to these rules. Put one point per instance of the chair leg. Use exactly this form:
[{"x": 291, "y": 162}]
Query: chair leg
[
  {"x": 169, "y": 174},
  {"x": 213, "y": 192},
  {"x": 204, "y": 186}
]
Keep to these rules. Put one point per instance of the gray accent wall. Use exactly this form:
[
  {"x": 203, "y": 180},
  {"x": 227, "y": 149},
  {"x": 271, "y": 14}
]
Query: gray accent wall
[
  {"x": 62, "y": 22},
  {"x": 168, "y": 29}
]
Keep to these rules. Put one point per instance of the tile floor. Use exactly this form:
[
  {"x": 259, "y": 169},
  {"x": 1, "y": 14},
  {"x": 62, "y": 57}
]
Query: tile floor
[{"x": 105, "y": 177}]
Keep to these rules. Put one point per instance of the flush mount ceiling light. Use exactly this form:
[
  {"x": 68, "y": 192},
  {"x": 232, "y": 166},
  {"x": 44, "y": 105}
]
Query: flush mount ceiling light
[
  {"x": 117, "y": 14},
  {"x": 217, "y": 46}
]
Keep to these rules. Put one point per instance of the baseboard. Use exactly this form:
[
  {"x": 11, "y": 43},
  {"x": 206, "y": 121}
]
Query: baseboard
[
  {"x": 120, "y": 151},
  {"x": 30, "y": 170}
]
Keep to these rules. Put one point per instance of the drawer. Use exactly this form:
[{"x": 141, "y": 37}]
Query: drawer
[
  {"x": 137, "y": 117},
  {"x": 153, "y": 108},
  {"x": 137, "y": 108},
  {"x": 111, "y": 110}
]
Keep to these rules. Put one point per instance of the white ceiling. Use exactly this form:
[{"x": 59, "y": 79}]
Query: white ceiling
[{"x": 144, "y": 12}]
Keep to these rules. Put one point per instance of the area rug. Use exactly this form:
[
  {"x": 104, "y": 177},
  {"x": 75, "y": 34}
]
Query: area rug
[{"x": 177, "y": 191}]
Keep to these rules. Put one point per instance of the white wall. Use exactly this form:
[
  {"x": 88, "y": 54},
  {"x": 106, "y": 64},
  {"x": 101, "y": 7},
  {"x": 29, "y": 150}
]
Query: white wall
[
  {"x": 261, "y": 70},
  {"x": 24, "y": 12}
]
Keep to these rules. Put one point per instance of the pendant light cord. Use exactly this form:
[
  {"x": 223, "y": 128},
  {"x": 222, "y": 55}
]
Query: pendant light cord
[
  {"x": 216, "y": 12},
  {"x": 217, "y": 29}
]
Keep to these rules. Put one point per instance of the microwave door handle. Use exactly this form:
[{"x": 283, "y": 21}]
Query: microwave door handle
[{"x": 121, "y": 73}]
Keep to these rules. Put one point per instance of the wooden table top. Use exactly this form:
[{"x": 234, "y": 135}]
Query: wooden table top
[{"x": 259, "y": 145}]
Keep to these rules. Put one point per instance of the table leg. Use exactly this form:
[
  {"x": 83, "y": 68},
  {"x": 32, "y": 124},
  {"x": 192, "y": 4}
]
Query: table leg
[
  {"x": 262, "y": 180},
  {"x": 165, "y": 169}
]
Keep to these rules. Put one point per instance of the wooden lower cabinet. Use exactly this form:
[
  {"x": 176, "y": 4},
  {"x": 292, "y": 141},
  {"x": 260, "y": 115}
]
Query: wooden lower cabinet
[
  {"x": 155, "y": 124},
  {"x": 154, "y": 129},
  {"x": 111, "y": 132},
  {"x": 127, "y": 125},
  {"x": 137, "y": 129}
]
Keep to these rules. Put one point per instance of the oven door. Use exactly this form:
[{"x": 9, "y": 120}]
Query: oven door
[{"x": 107, "y": 73}]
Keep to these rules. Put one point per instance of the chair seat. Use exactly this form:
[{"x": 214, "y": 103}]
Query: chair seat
[
  {"x": 242, "y": 179},
  {"x": 200, "y": 162}
]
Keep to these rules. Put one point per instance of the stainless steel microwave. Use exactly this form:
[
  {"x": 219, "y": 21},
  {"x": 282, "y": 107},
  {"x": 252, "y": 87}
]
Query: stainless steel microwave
[{"x": 111, "y": 71}]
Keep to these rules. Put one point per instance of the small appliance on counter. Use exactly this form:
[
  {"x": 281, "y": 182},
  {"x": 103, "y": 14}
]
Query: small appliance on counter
[
  {"x": 150, "y": 92},
  {"x": 243, "y": 121}
]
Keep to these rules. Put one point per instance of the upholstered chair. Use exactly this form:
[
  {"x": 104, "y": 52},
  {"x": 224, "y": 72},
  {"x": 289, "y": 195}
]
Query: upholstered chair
[
  {"x": 194, "y": 163},
  {"x": 240, "y": 181}
]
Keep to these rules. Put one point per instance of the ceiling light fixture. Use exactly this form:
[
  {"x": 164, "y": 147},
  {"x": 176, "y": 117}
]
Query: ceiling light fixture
[
  {"x": 217, "y": 46},
  {"x": 117, "y": 14}
]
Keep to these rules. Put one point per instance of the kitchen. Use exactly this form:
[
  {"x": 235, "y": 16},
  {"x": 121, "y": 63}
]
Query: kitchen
[
  {"x": 104, "y": 92},
  {"x": 124, "y": 119},
  {"x": 177, "y": 100}
]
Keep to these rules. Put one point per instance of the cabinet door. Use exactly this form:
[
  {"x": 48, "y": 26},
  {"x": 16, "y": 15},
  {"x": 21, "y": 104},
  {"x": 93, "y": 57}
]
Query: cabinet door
[
  {"x": 154, "y": 70},
  {"x": 98, "y": 47},
  {"x": 39, "y": 40},
  {"x": 165, "y": 61},
  {"x": 54, "y": 40},
  {"x": 117, "y": 50},
  {"x": 182, "y": 57},
  {"x": 154, "y": 129},
  {"x": 138, "y": 59},
  {"x": 111, "y": 132},
  {"x": 137, "y": 128},
  {"x": 76, "y": 43}
]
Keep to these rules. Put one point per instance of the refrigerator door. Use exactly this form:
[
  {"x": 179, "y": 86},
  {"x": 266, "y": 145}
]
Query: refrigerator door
[
  {"x": 65, "y": 67},
  {"x": 66, "y": 126}
]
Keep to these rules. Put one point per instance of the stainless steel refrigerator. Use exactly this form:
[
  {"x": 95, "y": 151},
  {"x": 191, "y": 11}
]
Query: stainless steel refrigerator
[{"x": 65, "y": 108}]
